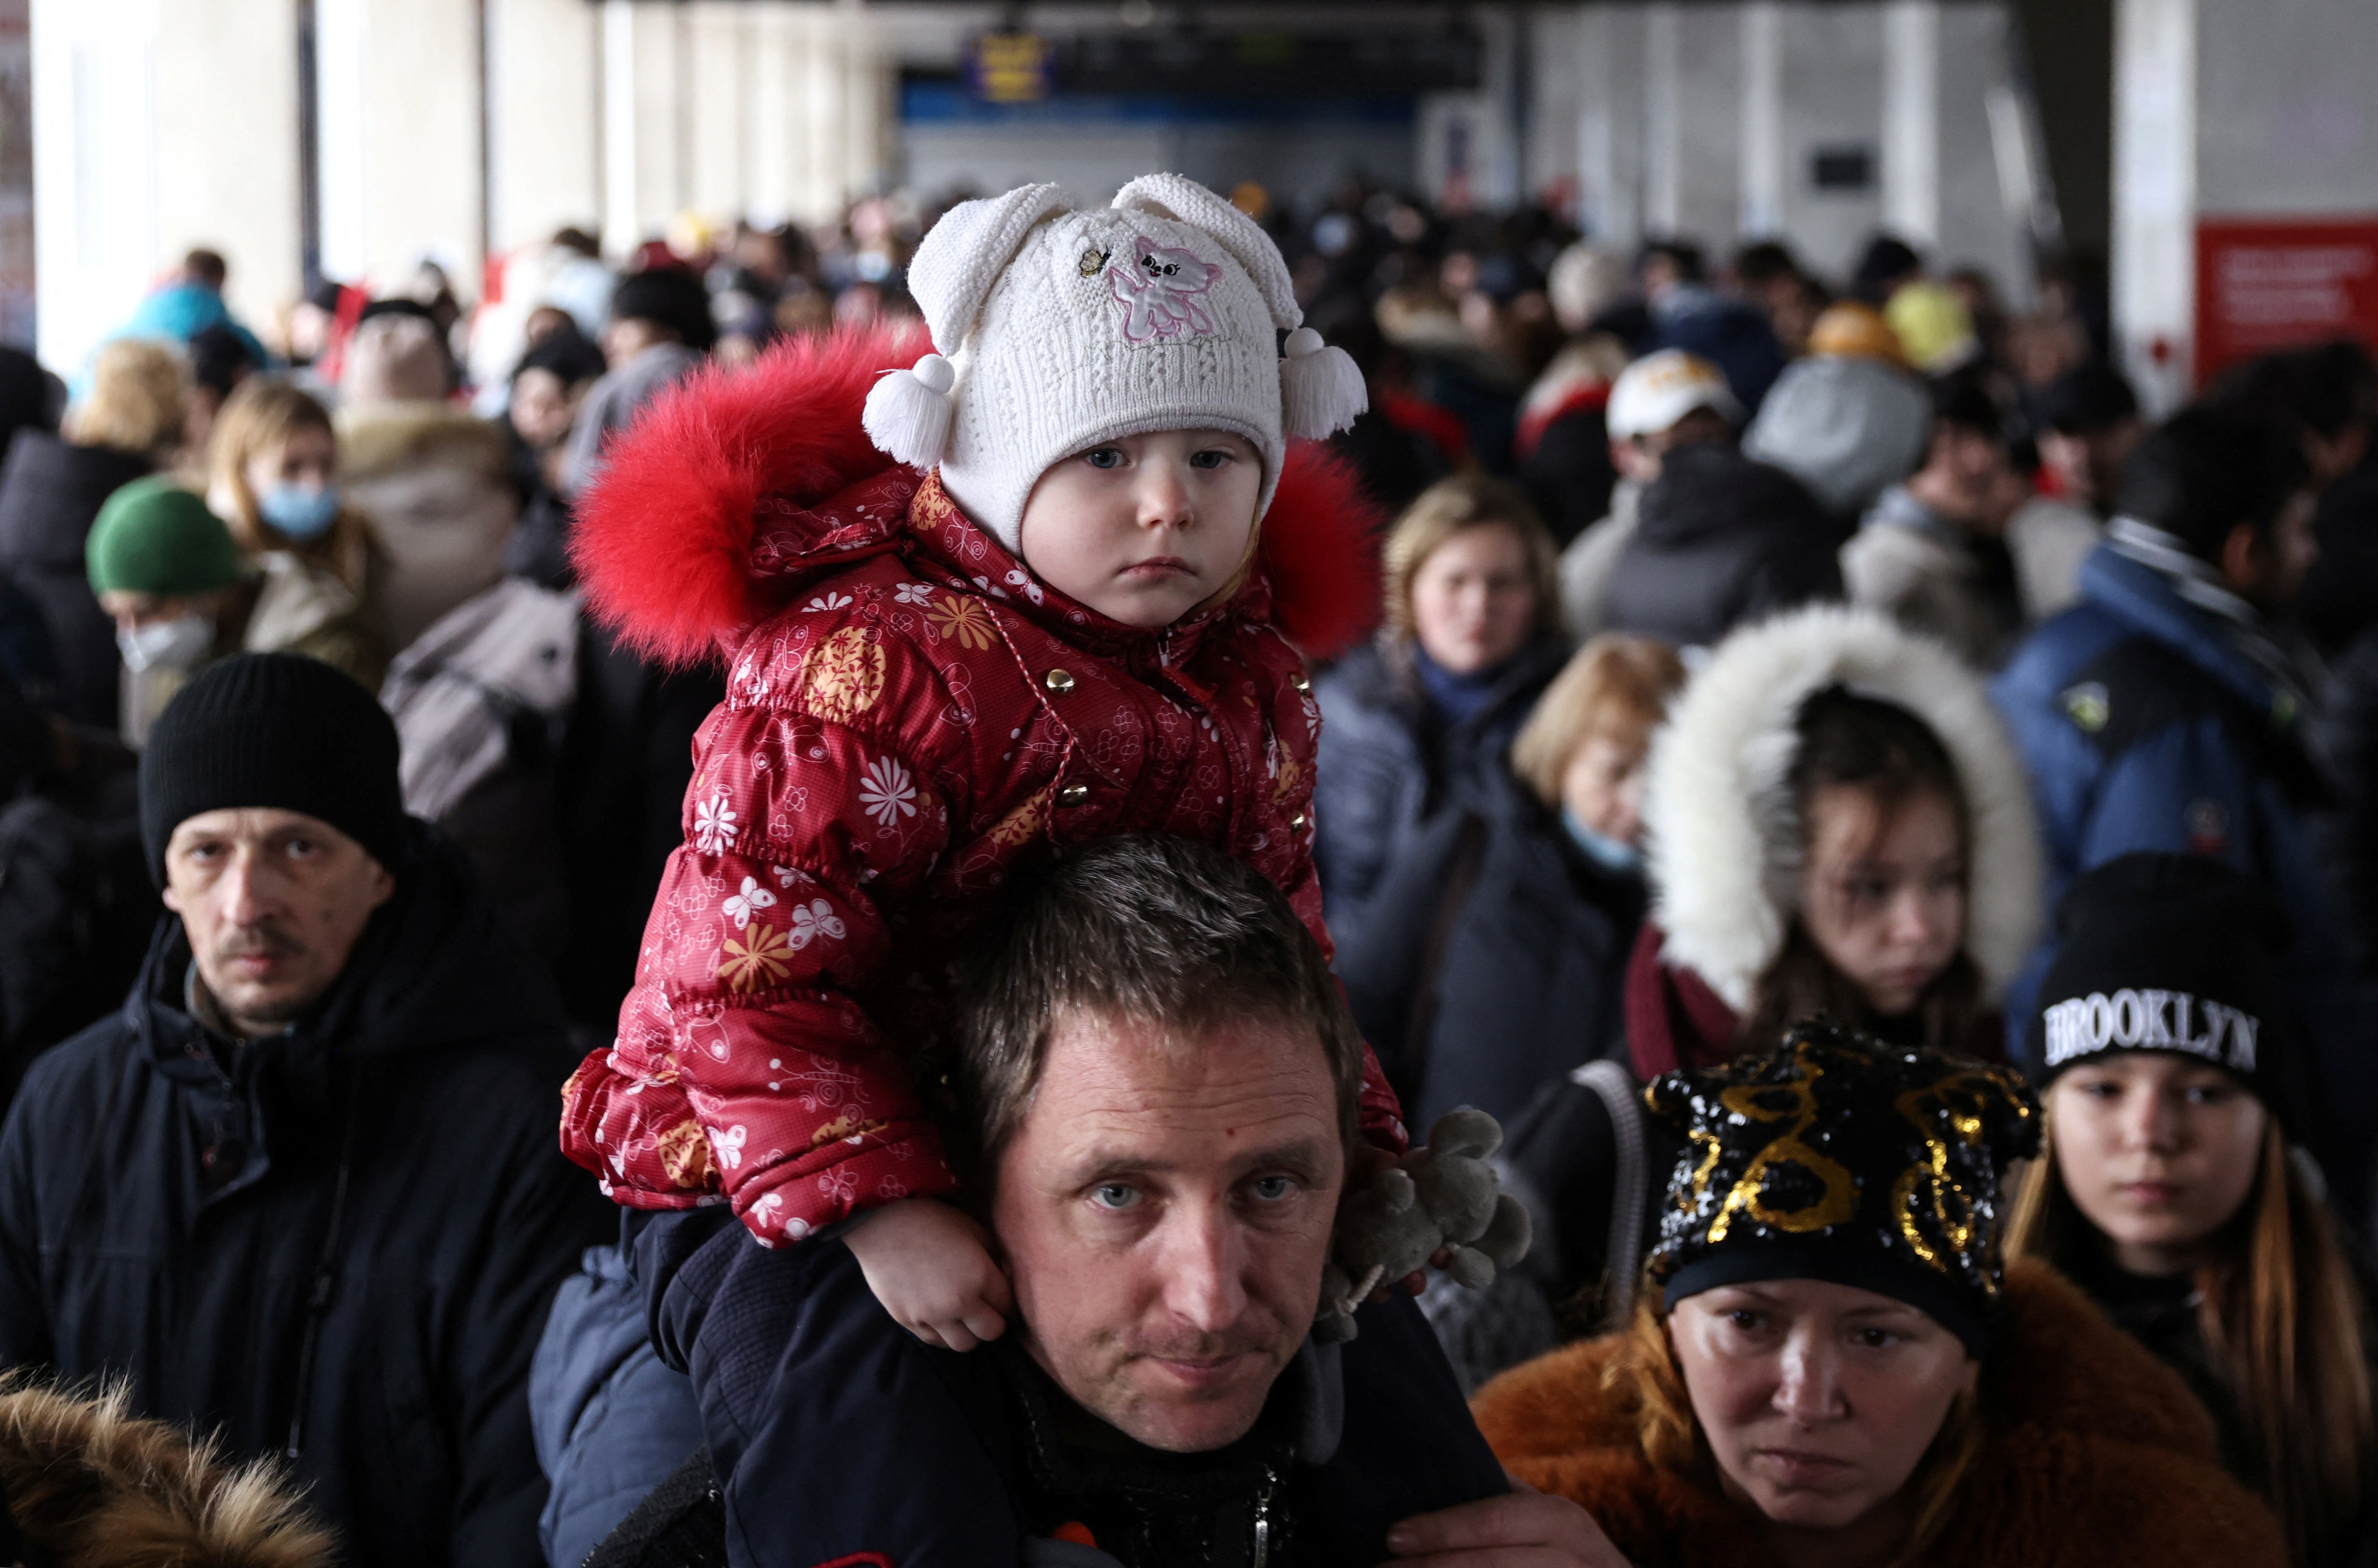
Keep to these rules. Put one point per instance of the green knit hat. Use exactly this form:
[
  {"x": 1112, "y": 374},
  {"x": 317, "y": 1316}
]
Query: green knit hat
[{"x": 152, "y": 536}]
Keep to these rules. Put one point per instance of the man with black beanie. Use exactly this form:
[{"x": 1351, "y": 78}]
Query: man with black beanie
[
  {"x": 302, "y": 1188},
  {"x": 2162, "y": 713}
]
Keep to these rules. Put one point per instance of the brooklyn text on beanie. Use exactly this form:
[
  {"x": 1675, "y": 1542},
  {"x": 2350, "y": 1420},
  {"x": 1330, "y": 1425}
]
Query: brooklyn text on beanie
[{"x": 2152, "y": 1021}]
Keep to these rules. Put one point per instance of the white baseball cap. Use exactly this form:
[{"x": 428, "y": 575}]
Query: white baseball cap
[{"x": 1659, "y": 390}]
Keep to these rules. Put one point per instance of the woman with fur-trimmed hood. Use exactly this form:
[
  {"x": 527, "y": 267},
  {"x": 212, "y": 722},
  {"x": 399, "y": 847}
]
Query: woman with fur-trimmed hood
[{"x": 1838, "y": 826}]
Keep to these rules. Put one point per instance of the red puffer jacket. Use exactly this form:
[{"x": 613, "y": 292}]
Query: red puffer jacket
[{"x": 910, "y": 715}]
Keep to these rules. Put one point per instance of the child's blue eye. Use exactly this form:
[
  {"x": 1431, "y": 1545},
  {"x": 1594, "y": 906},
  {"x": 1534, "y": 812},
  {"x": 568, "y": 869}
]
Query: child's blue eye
[
  {"x": 1214, "y": 459},
  {"x": 1103, "y": 457}
]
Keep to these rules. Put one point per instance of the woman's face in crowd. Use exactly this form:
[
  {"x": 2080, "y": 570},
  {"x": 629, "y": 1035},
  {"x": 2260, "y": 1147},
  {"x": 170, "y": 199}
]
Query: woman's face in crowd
[
  {"x": 1602, "y": 786},
  {"x": 1144, "y": 529},
  {"x": 1472, "y": 602},
  {"x": 1884, "y": 899},
  {"x": 1817, "y": 1400},
  {"x": 542, "y": 407},
  {"x": 2157, "y": 1151},
  {"x": 305, "y": 462}
]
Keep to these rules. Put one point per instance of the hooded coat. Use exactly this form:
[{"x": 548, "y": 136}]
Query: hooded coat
[
  {"x": 911, "y": 715},
  {"x": 1719, "y": 541},
  {"x": 169, "y": 1206},
  {"x": 1718, "y": 784},
  {"x": 2096, "y": 1456}
]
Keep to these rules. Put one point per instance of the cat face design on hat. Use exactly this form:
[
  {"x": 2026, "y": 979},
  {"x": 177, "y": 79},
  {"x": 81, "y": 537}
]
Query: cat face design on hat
[{"x": 1157, "y": 286}]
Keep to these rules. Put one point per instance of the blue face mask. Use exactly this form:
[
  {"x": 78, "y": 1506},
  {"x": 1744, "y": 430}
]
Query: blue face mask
[
  {"x": 1620, "y": 859},
  {"x": 300, "y": 514}
]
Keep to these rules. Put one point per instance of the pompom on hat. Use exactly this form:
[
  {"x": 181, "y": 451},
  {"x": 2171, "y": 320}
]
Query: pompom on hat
[
  {"x": 1059, "y": 329},
  {"x": 1837, "y": 1157}
]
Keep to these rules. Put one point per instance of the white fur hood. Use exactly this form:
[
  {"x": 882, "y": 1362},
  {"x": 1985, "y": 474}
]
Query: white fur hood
[{"x": 1730, "y": 742}]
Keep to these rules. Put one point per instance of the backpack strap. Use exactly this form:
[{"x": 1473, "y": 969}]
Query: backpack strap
[{"x": 1630, "y": 1184}]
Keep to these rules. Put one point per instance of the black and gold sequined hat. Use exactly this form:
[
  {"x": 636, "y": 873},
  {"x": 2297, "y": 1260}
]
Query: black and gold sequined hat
[{"x": 1840, "y": 1158}]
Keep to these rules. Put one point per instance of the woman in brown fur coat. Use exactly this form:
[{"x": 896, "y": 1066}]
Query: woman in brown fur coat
[{"x": 1838, "y": 1368}]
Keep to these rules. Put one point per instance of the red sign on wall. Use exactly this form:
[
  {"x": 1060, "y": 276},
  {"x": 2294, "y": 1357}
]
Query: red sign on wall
[{"x": 2273, "y": 283}]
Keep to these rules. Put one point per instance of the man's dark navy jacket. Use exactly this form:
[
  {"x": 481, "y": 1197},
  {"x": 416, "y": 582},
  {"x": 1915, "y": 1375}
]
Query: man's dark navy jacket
[{"x": 838, "y": 1437}]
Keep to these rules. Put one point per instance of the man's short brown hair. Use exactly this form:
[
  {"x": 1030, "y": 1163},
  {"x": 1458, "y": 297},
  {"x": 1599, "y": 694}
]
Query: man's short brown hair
[{"x": 1162, "y": 931}]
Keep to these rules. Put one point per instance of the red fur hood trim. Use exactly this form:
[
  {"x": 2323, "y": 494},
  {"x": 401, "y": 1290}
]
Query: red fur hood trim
[{"x": 664, "y": 540}]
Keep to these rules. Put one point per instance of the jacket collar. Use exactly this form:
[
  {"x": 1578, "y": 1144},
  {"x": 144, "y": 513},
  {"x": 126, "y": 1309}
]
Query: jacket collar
[{"x": 2133, "y": 579}]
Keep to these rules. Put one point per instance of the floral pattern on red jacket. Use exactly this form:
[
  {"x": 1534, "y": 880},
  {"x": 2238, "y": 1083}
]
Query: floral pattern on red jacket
[{"x": 909, "y": 730}]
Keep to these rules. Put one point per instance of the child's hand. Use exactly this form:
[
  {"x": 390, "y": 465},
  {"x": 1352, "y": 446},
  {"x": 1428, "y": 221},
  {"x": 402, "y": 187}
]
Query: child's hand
[{"x": 927, "y": 1265}]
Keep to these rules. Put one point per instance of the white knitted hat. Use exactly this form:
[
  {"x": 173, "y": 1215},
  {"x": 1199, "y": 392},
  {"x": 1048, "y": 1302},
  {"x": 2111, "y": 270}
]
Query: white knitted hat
[{"x": 1063, "y": 328}]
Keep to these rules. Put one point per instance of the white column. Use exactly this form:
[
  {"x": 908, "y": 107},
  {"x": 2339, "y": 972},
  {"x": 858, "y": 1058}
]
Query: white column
[
  {"x": 774, "y": 174},
  {"x": 158, "y": 127},
  {"x": 544, "y": 165},
  {"x": 719, "y": 124},
  {"x": 621, "y": 228},
  {"x": 1911, "y": 120},
  {"x": 398, "y": 85},
  {"x": 1663, "y": 152},
  {"x": 2155, "y": 195},
  {"x": 1763, "y": 161}
]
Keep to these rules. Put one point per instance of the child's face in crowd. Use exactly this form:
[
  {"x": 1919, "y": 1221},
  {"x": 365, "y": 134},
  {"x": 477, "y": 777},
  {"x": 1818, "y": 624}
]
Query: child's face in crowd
[
  {"x": 1817, "y": 1399},
  {"x": 1884, "y": 898},
  {"x": 305, "y": 462},
  {"x": 1602, "y": 786},
  {"x": 1472, "y": 603},
  {"x": 542, "y": 407},
  {"x": 1144, "y": 529},
  {"x": 2157, "y": 1152}
]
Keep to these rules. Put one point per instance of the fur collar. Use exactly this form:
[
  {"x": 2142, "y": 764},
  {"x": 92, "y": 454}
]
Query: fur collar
[
  {"x": 99, "y": 1487},
  {"x": 664, "y": 541},
  {"x": 2098, "y": 1456},
  {"x": 1729, "y": 743}
]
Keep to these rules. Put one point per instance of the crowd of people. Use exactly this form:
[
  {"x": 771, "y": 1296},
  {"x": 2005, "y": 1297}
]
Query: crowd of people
[{"x": 918, "y": 729}]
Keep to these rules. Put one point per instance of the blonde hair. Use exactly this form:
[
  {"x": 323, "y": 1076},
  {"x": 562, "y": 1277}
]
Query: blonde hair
[
  {"x": 2282, "y": 1320},
  {"x": 1455, "y": 506},
  {"x": 261, "y": 414},
  {"x": 1617, "y": 686},
  {"x": 1670, "y": 1435},
  {"x": 139, "y": 402}
]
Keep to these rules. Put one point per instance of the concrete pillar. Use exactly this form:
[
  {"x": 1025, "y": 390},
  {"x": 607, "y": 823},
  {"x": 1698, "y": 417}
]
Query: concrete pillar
[
  {"x": 1911, "y": 120},
  {"x": 1763, "y": 162},
  {"x": 1663, "y": 153},
  {"x": 399, "y": 84},
  {"x": 158, "y": 127},
  {"x": 774, "y": 174},
  {"x": 2155, "y": 195},
  {"x": 716, "y": 102},
  {"x": 544, "y": 154}
]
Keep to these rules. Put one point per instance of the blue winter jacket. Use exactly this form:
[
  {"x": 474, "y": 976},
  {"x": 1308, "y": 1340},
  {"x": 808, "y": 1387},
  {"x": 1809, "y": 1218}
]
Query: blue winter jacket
[
  {"x": 611, "y": 1422},
  {"x": 2143, "y": 727},
  {"x": 837, "y": 1437}
]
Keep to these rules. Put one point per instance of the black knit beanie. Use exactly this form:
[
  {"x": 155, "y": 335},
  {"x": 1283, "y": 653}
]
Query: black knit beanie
[
  {"x": 274, "y": 730},
  {"x": 2175, "y": 954}
]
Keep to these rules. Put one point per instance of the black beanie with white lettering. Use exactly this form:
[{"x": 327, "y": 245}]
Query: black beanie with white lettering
[{"x": 2175, "y": 954}]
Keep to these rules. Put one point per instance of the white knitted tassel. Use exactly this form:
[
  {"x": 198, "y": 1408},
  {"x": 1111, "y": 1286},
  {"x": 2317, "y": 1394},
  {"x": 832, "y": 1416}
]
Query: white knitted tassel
[
  {"x": 1321, "y": 388},
  {"x": 908, "y": 412}
]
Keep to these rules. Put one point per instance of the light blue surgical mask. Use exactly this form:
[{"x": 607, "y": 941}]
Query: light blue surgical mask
[
  {"x": 300, "y": 513},
  {"x": 1614, "y": 856}
]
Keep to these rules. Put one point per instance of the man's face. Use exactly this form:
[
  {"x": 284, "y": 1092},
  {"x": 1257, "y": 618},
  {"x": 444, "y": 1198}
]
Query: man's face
[
  {"x": 273, "y": 902},
  {"x": 1165, "y": 1209}
]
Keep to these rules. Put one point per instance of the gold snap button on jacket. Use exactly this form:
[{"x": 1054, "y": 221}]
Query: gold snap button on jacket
[
  {"x": 1302, "y": 681},
  {"x": 1058, "y": 681},
  {"x": 1296, "y": 823},
  {"x": 1073, "y": 794}
]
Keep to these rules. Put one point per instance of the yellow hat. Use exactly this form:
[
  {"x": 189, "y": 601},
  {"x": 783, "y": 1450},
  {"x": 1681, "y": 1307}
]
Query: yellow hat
[
  {"x": 1853, "y": 330},
  {"x": 1932, "y": 325}
]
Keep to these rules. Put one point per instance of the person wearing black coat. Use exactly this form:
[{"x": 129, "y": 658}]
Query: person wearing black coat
[
  {"x": 50, "y": 491},
  {"x": 1420, "y": 719},
  {"x": 1721, "y": 540},
  {"x": 335, "y": 1242}
]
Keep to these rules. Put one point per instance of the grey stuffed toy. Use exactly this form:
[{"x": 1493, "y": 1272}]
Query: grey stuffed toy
[{"x": 1445, "y": 1195}]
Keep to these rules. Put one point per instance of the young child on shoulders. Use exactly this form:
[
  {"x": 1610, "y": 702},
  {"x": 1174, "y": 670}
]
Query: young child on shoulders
[{"x": 1064, "y": 612}]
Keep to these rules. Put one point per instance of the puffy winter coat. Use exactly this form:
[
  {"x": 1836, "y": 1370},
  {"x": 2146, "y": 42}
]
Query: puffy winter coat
[
  {"x": 437, "y": 484},
  {"x": 2096, "y": 1457},
  {"x": 1720, "y": 541},
  {"x": 1390, "y": 763},
  {"x": 910, "y": 715},
  {"x": 50, "y": 493},
  {"x": 343, "y": 1237},
  {"x": 2144, "y": 727}
]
